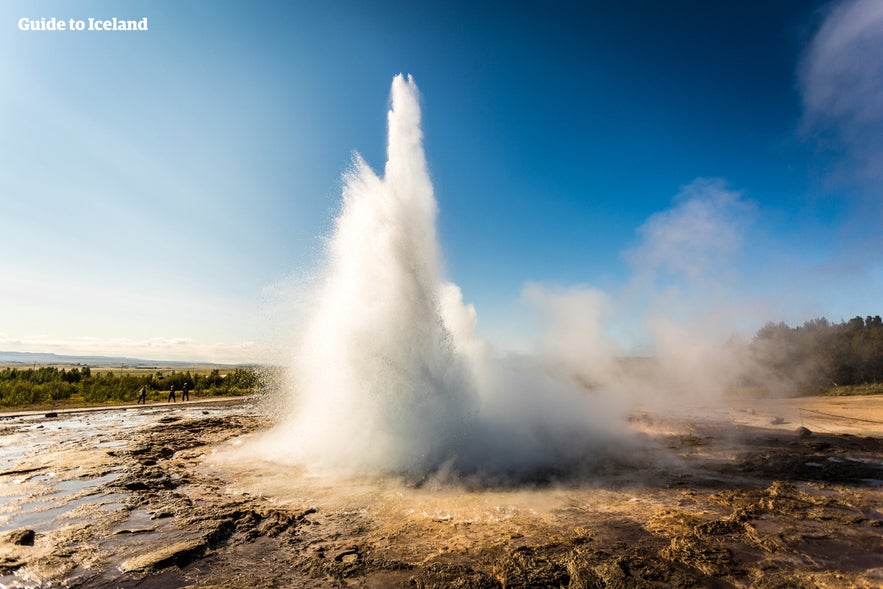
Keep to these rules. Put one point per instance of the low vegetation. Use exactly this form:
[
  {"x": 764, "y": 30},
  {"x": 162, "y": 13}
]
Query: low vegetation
[
  {"x": 855, "y": 390},
  {"x": 817, "y": 357},
  {"x": 80, "y": 385}
]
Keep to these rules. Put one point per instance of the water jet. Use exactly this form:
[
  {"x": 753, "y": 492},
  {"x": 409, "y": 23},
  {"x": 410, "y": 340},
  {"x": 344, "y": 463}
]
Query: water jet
[{"x": 388, "y": 376}]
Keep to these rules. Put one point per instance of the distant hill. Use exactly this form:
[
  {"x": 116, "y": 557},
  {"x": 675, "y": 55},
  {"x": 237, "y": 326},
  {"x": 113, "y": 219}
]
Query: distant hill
[{"x": 44, "y": 358}]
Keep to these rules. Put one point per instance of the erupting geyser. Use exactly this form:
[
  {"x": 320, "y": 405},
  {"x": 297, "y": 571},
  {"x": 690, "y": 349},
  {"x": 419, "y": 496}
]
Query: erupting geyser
[
  {"x": 387, "y": 376},
  {"x": 378, "y": 375}
]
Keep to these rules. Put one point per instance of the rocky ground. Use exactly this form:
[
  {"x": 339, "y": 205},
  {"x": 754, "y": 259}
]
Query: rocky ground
[{"x": 752, "y": 496}]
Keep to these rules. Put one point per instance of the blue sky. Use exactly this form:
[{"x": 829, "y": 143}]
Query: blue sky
[{"x": 163, "y": 192}]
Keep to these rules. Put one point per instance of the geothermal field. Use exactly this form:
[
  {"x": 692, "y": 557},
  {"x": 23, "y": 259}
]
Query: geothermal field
[
  {"x": 174, "y": 497},
  {"x": 403, "y": 451}
]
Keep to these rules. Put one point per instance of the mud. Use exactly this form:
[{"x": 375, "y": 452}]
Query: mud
[{"x": 170, "y": 497}]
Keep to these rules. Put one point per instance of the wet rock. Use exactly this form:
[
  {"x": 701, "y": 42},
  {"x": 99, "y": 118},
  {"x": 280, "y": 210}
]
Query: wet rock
[
  {"x": 523, "y": 568},
  {"x": 268, "y": 522},
  {"x": 348, "y": 555},
  {"x": 219, "y": 531},
  {"x": 635, "y": 571},
  {"x": 162, "y": 513},
  {"x": 127, "y": 531},
  {"x": 758, "y": 517},
  {"x": 819, "y": 446},
  {"x": 9, "y": 564},
  {"x": 452, "y": 576},
  {"x": 148, "y": 480},
  {"x": 180, "y": 554},
  {"x": 722, "y": 527},
  {"x": 783, "y": 580},
  {"x": 148, "y": 454},
  {"x": 614, "y": 575},
  {"x": 273, "y": 523},
  {"x": 24, "y": 537},
  {"x": 19, "y": 471},
  {"x": 581, "y": 569},
  {"x": 803, "y": 432},
  {"x": 51, "y": 414},
  {"x": 164, "y": 452},
  {"x": 706, "y": 554}
]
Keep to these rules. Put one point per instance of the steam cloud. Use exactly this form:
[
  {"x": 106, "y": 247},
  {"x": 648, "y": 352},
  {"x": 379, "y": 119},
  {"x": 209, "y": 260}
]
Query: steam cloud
[
  {"x": 658, "y": 340},
  {"x": 389, "y": 376}
]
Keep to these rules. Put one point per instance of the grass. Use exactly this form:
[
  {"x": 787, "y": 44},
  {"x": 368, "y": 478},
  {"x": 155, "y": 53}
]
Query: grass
[
  {"x": 126, "y": 370},
  {"x": 855, "y": 390},
  {"x": 153, "y": 397}
]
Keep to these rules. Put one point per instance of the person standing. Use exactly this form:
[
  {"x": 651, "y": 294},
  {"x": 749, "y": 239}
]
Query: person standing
[
  {"x": 185, "y": 395},
  {"x": 142, "y": 398},
  {"x": 172, "y": 397}
]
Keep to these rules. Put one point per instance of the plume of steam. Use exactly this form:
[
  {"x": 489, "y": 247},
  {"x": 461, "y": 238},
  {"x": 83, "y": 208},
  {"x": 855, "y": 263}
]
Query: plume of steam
[
  {"x": 388, "y": 376},
  {"x": 379, "y": 382},
  {"x": 696, "y": 238}
]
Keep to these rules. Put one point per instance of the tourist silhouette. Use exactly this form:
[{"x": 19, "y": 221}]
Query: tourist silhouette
[
  {"x": 172, "y": 397},
  {"x": 142, "y": 398}
]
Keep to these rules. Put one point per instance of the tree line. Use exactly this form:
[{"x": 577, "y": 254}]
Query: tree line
[
  {"x": 818, "y": 355},
  {"x": 48, "y": 384}
]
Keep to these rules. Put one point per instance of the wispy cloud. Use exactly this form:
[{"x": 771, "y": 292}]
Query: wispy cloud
[
  {"x": 841, "y": 82},
  {"x": 156, "y": 348}
]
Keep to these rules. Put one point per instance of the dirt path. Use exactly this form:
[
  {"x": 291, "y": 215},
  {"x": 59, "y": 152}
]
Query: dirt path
[{"x": 120, "y": 407}]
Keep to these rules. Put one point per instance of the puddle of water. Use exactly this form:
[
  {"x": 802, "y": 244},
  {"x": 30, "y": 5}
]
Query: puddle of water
[
  {"x": 42, "y": 477},
  {"x": 10, "y": 455},
  {"x": 110, "y": 444},
  {"x": 39, "y": 510},
  {"x": 138, "y": 531},
  {"x": 36, "y": 516},
  {"x": 139, "y": 521},
  {"x": 72, "y": 486},
  {"x": 864, "y": 460},
  {"x": 112, "y": 506}
]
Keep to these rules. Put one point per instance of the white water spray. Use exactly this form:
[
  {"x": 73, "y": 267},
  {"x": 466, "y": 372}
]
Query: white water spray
[{"x": 388, "y": 376}]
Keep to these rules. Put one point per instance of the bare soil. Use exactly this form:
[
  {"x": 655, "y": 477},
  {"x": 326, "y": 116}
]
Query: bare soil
[{"x": 756, "y": 494}]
